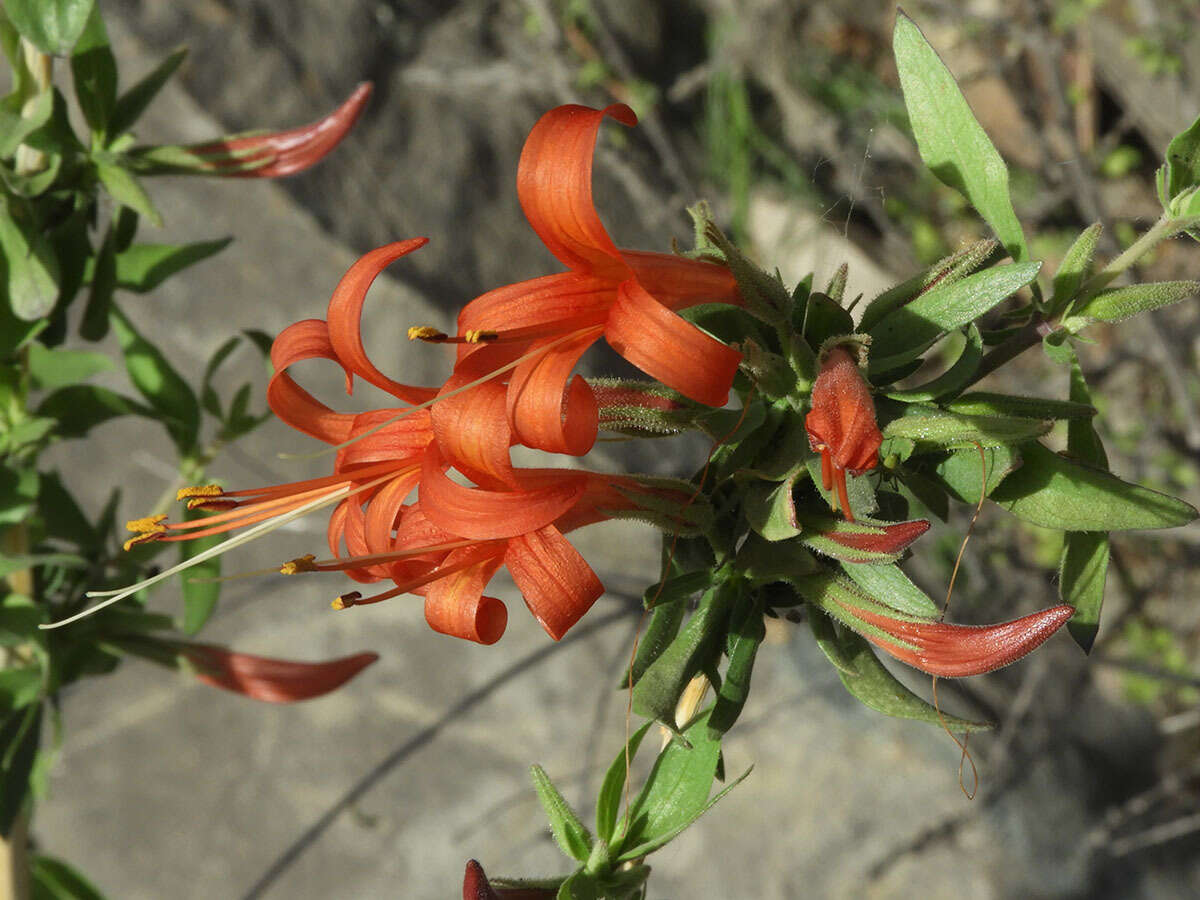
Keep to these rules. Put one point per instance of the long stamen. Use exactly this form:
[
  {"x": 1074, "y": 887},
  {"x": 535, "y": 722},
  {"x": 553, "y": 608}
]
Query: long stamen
[
  {"x": 355, "y": 598},
  {"x": 507, "y": 367},
  {"x": 311, "y": 564},
  {"x": 257, "y": 531}
]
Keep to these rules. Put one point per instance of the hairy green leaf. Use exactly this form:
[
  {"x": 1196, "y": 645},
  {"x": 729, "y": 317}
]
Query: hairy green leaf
[
  {"x": 1051, "y": 491},
  {"x": 1075, "y": 268},
  {"x": 569, "y": 831},
  {"x": 1121, "y": 303},
  {"x": 954, "y": 378},
  {"x": 984, "y": 403},
  {"x": 952, "y": 143},
  {"x": 131, "y": 104},
  {"x": 948, "y": 430}
]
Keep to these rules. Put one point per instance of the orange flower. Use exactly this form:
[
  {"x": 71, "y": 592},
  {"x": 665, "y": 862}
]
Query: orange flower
[
  {"x": 261, "y": 155},
  {"x": 841, "y": 424},
  {"x": 271, "y": 680},
  {"x": 628, "y": 297},
  {"x": 955, "y": 651}
]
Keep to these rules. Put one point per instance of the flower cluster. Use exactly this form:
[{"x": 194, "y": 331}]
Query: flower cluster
[{"x": 399, "y": 514}]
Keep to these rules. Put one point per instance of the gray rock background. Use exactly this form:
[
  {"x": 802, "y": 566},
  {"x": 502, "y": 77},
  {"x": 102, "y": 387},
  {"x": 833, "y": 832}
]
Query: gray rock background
[{"x": 166, "y": 788}]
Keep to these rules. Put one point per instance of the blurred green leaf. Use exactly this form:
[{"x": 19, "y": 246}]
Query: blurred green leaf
[
  {"x": 53, "y": 26},
  {"x": 952, "y": 143},
  {"x": 131, "y": 104},
  {"x": 81, "y": 407},
  {"x": 31, "y": 268},
  {"x": 103, "y": 277},
  {"x": 200, "y": 591},
  {"x": 58, "y": 368},
  {"x": 94, "y": 71},
  {"x": 17, "y": 123},
  {"x": 124, "y": 187},
  {"x": 905, "y": 333},
  {"x": 20, "y": 736},
  {"x": 159, "y": 383},
  {"x": 569, "y": 831},
  {"x": 19, "y": 686},
  {"x": 929, "y": 425},
  {"x": 1057, "y": 347},
  {"x": 823, "y": 318},
  {"x": 1051, "y": 491},
  {"x": 1075, "y": 268},
  {"x": 143, "y": 267},
  {"x": 54, "y": 879},
  {"x": 1121, "y": 303},
  {"x": 18, "y": 493},
  {"x": 608, "y": 803},
  {"x": 762, "y": 561}
]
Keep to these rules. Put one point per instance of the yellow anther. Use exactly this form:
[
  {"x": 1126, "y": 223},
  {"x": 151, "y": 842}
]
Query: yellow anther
[
  {"x": 143, "y": 538},
  {"x": 425, "y": 333},
  {"x": 305, "y": 563},
  {"x": 211, "y": 504},
  {"x": 201, "y": 490},
  {"x": 152, "y": 524},
  {"x": 346, "y": 600},
  {"x": 477, "y": 336}
]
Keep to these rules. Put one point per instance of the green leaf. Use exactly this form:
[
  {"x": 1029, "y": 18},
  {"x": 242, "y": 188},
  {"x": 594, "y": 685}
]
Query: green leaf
[
  {"x": 103, "y": 277},
  {"x": 52, "y": 369},
  {"x": 579, "y": 886},
  {"x": 18, "y": 493},
  {"x": 824, "y": 318},
  {"x": 829, "y": 641},
  {"x": 143, "y": 267},
  {"x": 1053, "y": 492},
  {"x": 570, "y": 833},
  {"x": 131, "y": 104},
  {"x": 675, "y": 793},
  {"x": 17, "y": 123},
  {"x": 879, "y": 689},
  {"x": 1120, "y": 303},
  {"x": 947, "y": 430},
  {"x": 94, "y": 71},
  {"x": 79, "y": 408},
  {"x": 1075, "y": 269},
  {"x": 945, "y": 272},
  {"x": 962, "y": 474},
  {"x": 746, "y": 634},
  {"x": 124, "y": 187},
  {"x": 890, "y": 582},
  {"x": 200, "y": 589},
  {"x": 1183, "y": 161},
  {"x": 952, "y": 143},
  {"x": 761, "y": 561},
  {"x": 657, "y": 692},
  {"x": 905, "y": 333},
  {"x": 19, "y": 687},
  {"x": 608, "y": 803},
  {"x": 31, "y": 268},
  {"x": 984, "y": 403},
  {"x": 53, "y": 26},
  {"x": 1084, "y": 564},
  {"x": 1057, "y": 347},
  {"x": 20, "y": 736},
  {"x": 159, "y": 383},
  {"x": 54, "y": 879},
  {"x": 769, "y": 509},
  {"x": 1082, "y": 574},
  {"x": 10, "y": 564},
  {"x": 954, "y": 378}
]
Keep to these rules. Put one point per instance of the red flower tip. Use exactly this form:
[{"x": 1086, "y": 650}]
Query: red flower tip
[
  {"x": 894, "y": 538},
  {"x": 955, "y": 651},
  {"x": 272, "y": 680},
  {"x": 286, "y": 152},
  {"x": 841, "y": 424},
  {"x": 477, "y": 887}
]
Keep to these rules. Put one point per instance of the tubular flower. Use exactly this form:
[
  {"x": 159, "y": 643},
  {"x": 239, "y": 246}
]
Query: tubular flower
[
  {"x": 955, "y": 651},
  {"x": 539, "y": 329},
  {"x": 841, "y": 424},
  {"x": 273, "y": 154},
  {"x": 448, "y": 544},
  {"x": 271, "y": 680}
]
